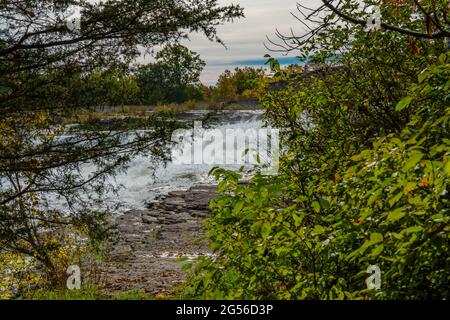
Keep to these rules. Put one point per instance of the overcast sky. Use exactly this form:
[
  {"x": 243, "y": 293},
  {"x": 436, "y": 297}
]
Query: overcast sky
[{"x": 245, "y": 37}]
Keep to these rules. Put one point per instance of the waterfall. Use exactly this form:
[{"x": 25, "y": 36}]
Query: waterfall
[{"x": 142, "y": 183}]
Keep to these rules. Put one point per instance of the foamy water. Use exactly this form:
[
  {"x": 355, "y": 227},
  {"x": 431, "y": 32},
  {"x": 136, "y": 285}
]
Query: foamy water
[{"x": 142, "y": 182}]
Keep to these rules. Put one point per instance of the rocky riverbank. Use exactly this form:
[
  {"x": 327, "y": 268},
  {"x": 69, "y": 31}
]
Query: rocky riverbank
[{"x": 150, "y": 241}]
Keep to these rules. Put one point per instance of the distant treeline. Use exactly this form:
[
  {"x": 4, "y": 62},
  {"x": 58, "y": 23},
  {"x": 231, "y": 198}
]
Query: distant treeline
[{"x": 174, "y": 77}]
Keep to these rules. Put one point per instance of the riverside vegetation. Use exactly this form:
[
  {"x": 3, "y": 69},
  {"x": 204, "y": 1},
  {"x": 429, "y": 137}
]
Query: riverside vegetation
[
  {"x": 49, "y": 73},
  {"x": 364, "y": 176}
]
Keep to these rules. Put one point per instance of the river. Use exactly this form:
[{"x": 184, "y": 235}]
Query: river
[{"x": 142, "y": 182}]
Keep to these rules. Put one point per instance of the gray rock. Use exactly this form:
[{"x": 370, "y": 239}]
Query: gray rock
[
  {"x": 151, "y": 241},
  {"x": 149, "y": 219}
]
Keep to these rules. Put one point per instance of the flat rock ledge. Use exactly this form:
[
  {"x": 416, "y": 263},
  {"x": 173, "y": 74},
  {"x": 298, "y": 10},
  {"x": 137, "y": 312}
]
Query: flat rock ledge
[{"x": 144, "y": 258}]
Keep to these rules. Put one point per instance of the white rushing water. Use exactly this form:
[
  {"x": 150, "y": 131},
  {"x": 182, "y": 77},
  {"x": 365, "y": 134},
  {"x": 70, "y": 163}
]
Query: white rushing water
[{"x": 142, "y": 182}]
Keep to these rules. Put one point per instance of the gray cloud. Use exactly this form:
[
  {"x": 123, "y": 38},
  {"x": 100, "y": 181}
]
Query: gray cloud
[{"x": 245, "y": 38}]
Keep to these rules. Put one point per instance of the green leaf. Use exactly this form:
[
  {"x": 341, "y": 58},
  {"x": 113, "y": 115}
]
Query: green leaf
[
  {"x": 413, "y": 160},
  {"x": 316, "y": 206},
  {"x": 215, "y": 246},
  {"x": 395, "y": 199},
  {"x": 324, "y": 203},
  {"x": 376, "y": 237},
  {"x": 238, "y": 207},
  {"x": 447, "y": 167},
  {"x": 256, "y": 227},
  {"x": 396, "y": 215},
  {"x": 265, "y": 229},
  {"x": 222, "y": 186},
  {"x": 410, "y": 186},
  {"x": 365, "y": 154},
  {"x": 318, "y": 229},
  {"x": 374, "y": 196},
  {"x": 377, "y": 251},
  {"x": 297, "y": 220},
  {"x": 402, "y": 104},
  {"x": 412, "y": 229},
  {"x": 186, "y": 266},
  {"x": 422, "y": 76}
]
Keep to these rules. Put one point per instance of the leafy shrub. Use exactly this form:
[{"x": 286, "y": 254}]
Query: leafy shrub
[{"x": 346, "y": 198}]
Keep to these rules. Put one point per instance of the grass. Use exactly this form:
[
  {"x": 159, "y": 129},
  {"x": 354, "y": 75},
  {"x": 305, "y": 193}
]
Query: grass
[
  {"x": 89, "y": 293},
  {"x": 145, "y": 111}
]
